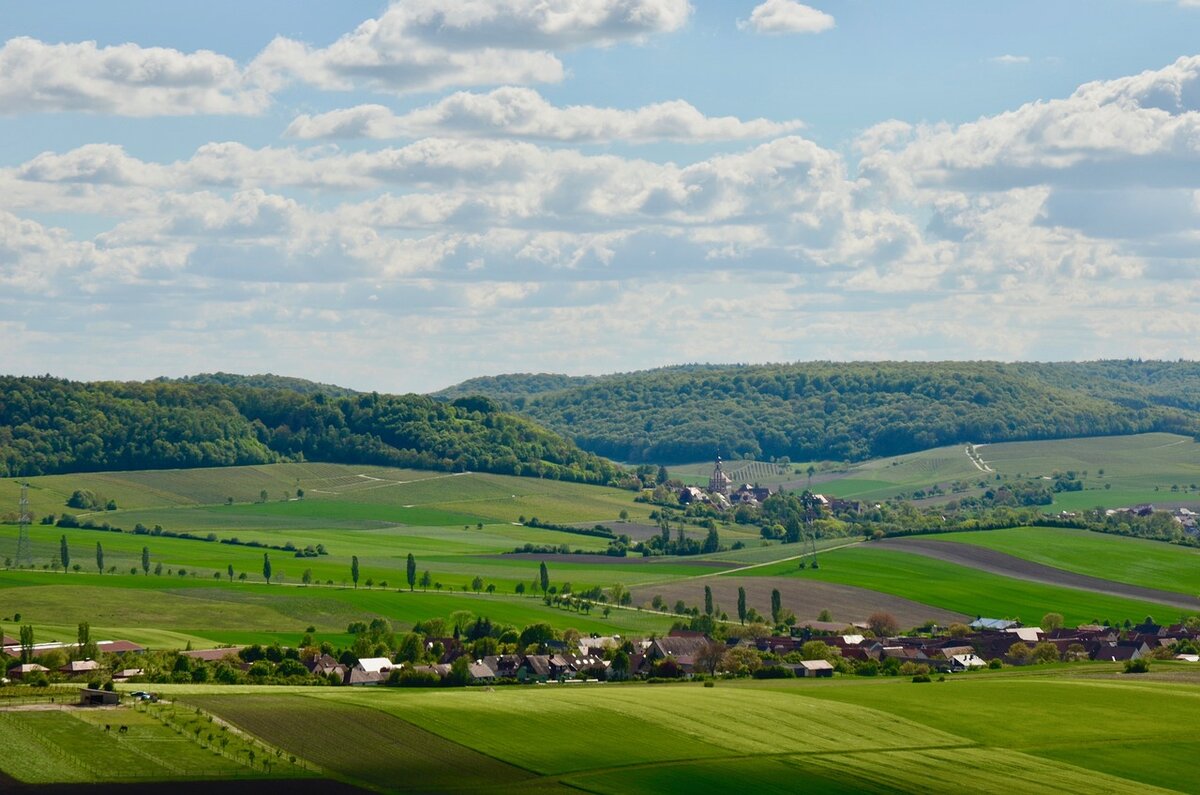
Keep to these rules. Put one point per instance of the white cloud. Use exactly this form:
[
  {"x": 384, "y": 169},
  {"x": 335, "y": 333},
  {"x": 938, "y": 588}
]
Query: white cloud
[
  {"x": 427, "y": 45},
  {"x": 1010, "y": 60},
  {"x": 125, "y": 80},
  {"x": 786, "y": 16},
  {"x": 515, "y": 112}
]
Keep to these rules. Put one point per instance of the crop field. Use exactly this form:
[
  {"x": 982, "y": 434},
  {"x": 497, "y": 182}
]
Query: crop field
[
  {"x": 965, "y": 590},
  {"x": 72, "y": 746},
  {"x": 1159, "y": 468},
  {"x": 1136, "y": 561},
  {"x": 1056, "y": 729}
]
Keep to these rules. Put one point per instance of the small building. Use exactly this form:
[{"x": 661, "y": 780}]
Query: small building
[
  {"x": 126, "y": 674},
  {"x": 992, "y": 624},
  {"x": 818, "y": 668},
  {"x": 25, "y": 670},
  {"x": 79, "y": 667},
  {"x": 94, "y": 697},
  {"x": 965, "y": 662}
]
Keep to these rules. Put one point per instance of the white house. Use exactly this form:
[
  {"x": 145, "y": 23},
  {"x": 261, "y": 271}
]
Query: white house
[{"x": 963, "y": 662}]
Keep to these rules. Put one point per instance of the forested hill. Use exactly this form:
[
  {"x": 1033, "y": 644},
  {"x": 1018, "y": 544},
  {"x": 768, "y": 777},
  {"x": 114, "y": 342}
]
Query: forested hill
[
  {"x": 264, "y": 381},
  {"x": 852, "y": 411},
  {"x": 49, "y": 425}
]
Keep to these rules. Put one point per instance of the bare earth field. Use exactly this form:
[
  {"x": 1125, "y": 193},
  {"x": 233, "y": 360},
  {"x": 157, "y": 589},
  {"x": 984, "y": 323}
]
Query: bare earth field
[
  {"x": 805, "y": 598},
  {"x": 558, "y": 557},
  {"x": 990, "y": 560}
]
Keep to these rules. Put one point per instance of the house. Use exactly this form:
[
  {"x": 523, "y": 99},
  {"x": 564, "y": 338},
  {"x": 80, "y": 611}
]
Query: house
[
  {"x": 126, "y": 674},
  {"x": 965, "y": 662},
  {"x": 26, "y": 669},
  {"x": 682, "y": 647},
  {"x": 503, "y": 666},
  {"x": 690, "y": 494},
  {"x": 79, "y": 667},
  {"x": 374, "y": 665},
  {"x": 1027, "y": 634},
  {"x": 481, "y": 672},
  {"x": 993, "y": 624},
  {"x": 1114, "y": 653},
  {"x": 815, "y": 668},
  {"x": 324, "y": 666},
  {"x": 357, "y": 676},
  {"x": 536, "y": 668}
]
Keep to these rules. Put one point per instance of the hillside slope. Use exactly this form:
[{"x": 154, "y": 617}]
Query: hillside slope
[
  {"x": 851, "y": 411},
  {"x": 50, "y": 426}
]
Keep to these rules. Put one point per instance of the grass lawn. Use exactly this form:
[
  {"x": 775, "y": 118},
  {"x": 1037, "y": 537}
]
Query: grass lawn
[
  {"x": 1136, "y": 561},
  {"x": 963, "y": 589}
]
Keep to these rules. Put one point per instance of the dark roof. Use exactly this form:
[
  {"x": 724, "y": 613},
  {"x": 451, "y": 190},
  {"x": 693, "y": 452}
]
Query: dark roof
[{"x": 211, "y": 655}]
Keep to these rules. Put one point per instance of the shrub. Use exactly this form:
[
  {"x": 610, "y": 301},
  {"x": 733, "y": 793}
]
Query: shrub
[
  {"x": 923, "y": 678},
  {"x": 1138, "y": 666},
  {"x": 773, "y": 672}
]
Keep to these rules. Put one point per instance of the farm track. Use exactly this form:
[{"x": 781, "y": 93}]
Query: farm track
[{"x": 1006, "y": 565}]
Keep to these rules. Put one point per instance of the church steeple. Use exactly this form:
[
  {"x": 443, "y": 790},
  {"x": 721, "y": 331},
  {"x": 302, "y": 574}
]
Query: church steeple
[{"x": 719, "y": 483}]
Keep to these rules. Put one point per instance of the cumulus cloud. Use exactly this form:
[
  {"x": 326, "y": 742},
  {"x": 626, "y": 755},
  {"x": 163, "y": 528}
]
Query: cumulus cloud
[
  {"x": 427, "y": 45},
  {"x": 1138, "y": 130},
  {"x": 786, "y": 16},
  {"x": 1010, "y": 60},
  {"x": 125, "y": 80},
  {"x": 515, "y": 112}
]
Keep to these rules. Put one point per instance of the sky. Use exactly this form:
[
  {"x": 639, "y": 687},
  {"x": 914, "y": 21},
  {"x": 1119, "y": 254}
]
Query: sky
[{"x": 402, "y": 196}]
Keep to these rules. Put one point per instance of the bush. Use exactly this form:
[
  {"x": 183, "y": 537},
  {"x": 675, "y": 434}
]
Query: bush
[
  {"x": 1138, "y": 666},
  {"x": 995, "y": 664},
  {"x": 708, "y": 683},
  {"x": 773, "y": 672},
  {"x": 923, "y": 678}
]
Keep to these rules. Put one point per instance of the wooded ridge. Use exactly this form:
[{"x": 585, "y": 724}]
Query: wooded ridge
[{"x": 847, "y": 410}]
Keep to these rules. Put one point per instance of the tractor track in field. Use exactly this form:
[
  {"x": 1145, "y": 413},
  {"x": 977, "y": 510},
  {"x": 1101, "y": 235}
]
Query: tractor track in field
[{"x": 1006, "y": 565}]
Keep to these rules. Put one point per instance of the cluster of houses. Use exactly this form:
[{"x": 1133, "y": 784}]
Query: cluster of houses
[
  {"x": 12, "y": 647},
  {"x": 722, "y": 494}
]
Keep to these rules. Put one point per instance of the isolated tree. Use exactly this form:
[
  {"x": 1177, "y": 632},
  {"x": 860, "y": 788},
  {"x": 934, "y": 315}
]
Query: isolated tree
[
  {"x": 354, "y": 569},
  {"x": 267, "y": 568},
  {"x": 158, "y": 567},
  {"x": 64, "y": 553},
  {"x": 83, "y": 634},
  {"x": 26, "y": 643},
  {"x": 426, "y": 580},
  {"x": 1052, "y": 621},
  {"x": 543, "y": 577},
  {"x": 146, "y": 561},
  {"x": 99, "y": 557},
  {"x": 883, "y": 624},
  {"x": 229, "y": 571},
  {"x": 708, "y": 601},
  {"x": 825, "y": 615},
  {"x": 741, "y": 604},
  {"x": 811, "y": 471},
  {"x": 710, "y": 656},
  {"x": 618, "y": 594},
  {"x": 477, "y": 584},
  {"x": 712, "y": 542},
  {"x": 262, "y": 496},
  {"x": 520, "y": 589},
  {"x": 776, "y": 606},
  {"x": 411, "y": 571},
  {"x": 306, "y": 577}
]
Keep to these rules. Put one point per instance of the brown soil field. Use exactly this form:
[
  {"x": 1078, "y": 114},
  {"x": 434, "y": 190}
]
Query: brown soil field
[
  {"x": 990, "y": 560},
  {"x": 805, "y": 598},
  {"x": 557, "y": 557}
]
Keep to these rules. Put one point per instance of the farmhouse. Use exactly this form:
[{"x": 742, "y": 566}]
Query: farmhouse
[
  {"x": 212, "y": 655},
  {"x": 965, "y": 662},
  {"x": 25, "y": 670},
  {"x": 94, "y": 697},
  {"x": 79, "y": 667}
]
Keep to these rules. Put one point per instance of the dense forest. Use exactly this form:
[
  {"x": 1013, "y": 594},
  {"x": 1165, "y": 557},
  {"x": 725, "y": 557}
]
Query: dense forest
[
  {"x": 50, "y": 426},
  {"x": 263, "y": 381},
  {"x": 849, "y": 411}
]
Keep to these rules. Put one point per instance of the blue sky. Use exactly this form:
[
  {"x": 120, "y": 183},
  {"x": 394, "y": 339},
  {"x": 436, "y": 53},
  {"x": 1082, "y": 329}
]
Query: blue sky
[{"x": 401, "y": 196}]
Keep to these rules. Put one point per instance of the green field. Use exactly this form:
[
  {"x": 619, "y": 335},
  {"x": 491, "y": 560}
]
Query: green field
[
  {"x": 1116, "y": 470},
  {"x": 1136, "y": 561},
  {"x": 963, "y": 589},
  {"x": 1059, "y": 729}
]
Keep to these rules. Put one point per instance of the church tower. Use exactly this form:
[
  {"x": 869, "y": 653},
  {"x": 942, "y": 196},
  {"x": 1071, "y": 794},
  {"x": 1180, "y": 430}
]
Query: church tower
[{"x": 719, "y": 483}]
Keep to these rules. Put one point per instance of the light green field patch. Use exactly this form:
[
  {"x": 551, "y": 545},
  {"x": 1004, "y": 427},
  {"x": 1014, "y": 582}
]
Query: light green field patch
[
  {"x": 963, "y": 589},
  {"x": 1136, "y": 561}
]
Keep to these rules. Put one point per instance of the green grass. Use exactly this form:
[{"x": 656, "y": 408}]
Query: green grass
[
  {"x": 1063, "y": 729},
  {"x": 1136, "y": 561},
  {"x": 963, "y": 589},
  {"x": 209, "y": 613},
  {"x": 72, "y": 747}
]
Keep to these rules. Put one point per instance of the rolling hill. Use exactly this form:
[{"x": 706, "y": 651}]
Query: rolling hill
[{"x": 848, "y": 411}]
